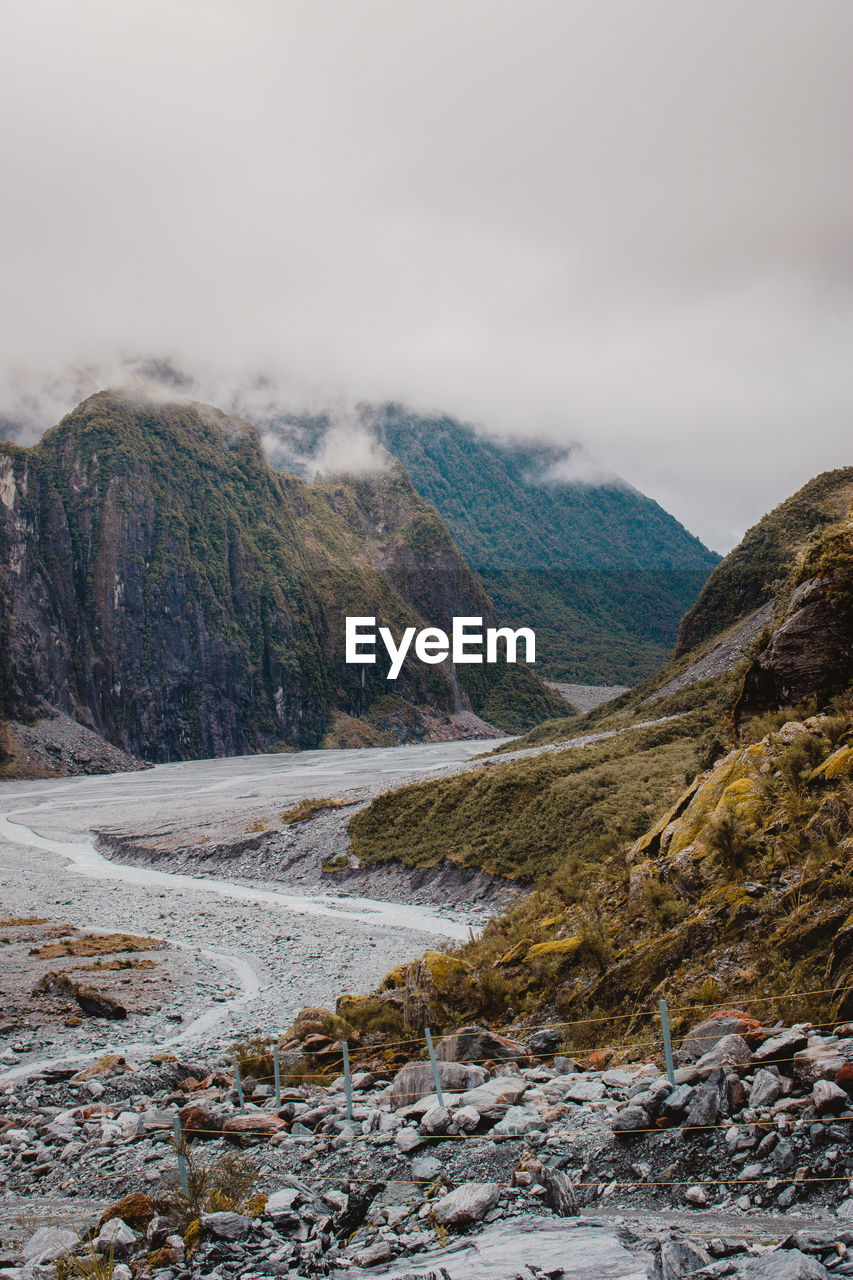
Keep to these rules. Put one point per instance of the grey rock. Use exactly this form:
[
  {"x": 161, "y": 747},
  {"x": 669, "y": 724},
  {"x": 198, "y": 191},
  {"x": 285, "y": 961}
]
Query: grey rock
[
  {"x": 502, "y": 1091},
  {"x": 408, "y": 1140},
  {"x": 282, "y": 1201},
  {"x": 828, "y": 1097},
  {"x": 415, "y": 1080},
  {"x": 517, "y": 1122},
  {"x": 675, "y": 1105},
  {"x": 226, "y": 1225},
  {"x": 707, "y": 1034},
  {"x": 49, "y": 1243},
  {"x": 426, "y": 1168},
  {"x": 436, "y": 1120},
  {"x": 466, "y": 1118},
  {"x": 680, "y": 1258},
  {"x": 381, "y": 1251},
  {"x": 781, "y": 1047},
  {"x": 559, "y": 1192},
  {"x": 729, "y": 1051},
  {"x": 468, "y": 1203},
  {"x": 783, "y": 1158},
  {"x": 704, "y": 1110},
  {"x": 116, "y": 1235},
  {"x": 783, "y": 1264},
  {"x": 629, "y": 1121},
  {"x": 766, "y": 1088}
]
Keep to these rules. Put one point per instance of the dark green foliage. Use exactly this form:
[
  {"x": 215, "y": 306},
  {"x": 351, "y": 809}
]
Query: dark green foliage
[
  {"x": 602, "y": 573},
  {"x": 188, "y": 600}
]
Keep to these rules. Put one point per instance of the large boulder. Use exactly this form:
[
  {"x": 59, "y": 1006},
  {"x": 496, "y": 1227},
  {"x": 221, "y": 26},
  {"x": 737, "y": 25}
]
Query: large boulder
[
  {"x": 415, "y": 1081},
  {"x": 729, "y": 1051},
  {"x": 705, "y": 1035},
  {"x": 468, "y": 1203},
  {"x": 477, "y": 1044}
]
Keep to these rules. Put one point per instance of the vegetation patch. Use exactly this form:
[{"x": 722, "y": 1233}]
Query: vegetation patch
[
  {"x": 310, "y": 807},
  {"x": 526, "y": 818},
  {"x": 96, "y": 945}
]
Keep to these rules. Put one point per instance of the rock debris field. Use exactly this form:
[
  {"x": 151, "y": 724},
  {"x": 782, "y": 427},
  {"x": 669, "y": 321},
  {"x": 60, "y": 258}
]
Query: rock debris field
[
  {"x": 525, "y": 1167},
  {"x": 530, "y": 1165}
]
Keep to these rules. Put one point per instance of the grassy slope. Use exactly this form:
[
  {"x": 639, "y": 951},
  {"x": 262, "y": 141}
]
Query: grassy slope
[
  {"x": 747, "y": 898},
  {"x": 525, "y": 818}
]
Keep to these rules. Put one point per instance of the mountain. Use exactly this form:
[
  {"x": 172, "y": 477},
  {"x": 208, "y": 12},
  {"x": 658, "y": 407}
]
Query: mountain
[
  {"x": 702, "y": 851},
  {"x": 601, "y": 572},
  {"x": 162, "y": 585},
  {"x": 748, "y": 577}
]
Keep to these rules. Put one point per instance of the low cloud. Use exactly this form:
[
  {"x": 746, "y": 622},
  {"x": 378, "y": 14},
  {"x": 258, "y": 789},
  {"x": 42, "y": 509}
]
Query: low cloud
[{"x": 620, "y": 224}]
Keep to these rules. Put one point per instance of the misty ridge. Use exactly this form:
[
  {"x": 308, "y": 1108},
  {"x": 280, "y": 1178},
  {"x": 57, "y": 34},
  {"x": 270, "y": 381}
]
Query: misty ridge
[{"x": 310, "y": 440}]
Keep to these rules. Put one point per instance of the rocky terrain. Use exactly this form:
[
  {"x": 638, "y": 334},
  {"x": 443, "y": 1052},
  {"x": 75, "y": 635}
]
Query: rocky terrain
[
  {"x": 529, "y": 1164},
  {"x": 56, "y": 746}
]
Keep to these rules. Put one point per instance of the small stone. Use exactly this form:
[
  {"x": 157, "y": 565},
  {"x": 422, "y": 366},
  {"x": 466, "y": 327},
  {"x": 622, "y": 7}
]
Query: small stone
[
  {"x": 116, "y": 1235},
  {"x": 381, "y": 1251},
  {"x": 426, "y": 1168},
  {"x": 436, "y": 1120},
  {"x": 697, "y": 1196}
]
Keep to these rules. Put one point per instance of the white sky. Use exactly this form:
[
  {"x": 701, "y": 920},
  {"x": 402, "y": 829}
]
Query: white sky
[{"x": 627, "y": 222}]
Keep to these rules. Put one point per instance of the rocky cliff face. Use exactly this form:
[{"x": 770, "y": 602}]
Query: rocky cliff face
[
  {"x": 809, "y": 653},
  {"x": 163, "y": 586}
]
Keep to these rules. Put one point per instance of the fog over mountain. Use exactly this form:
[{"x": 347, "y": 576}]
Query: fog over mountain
[{"x": 626, "y": 225}]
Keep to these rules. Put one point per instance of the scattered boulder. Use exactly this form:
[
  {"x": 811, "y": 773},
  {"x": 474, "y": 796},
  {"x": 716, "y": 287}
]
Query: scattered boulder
[
  {"x": 48, "y": 1244},
  {"x": 477, "y": 1044},
  {"x": 705, "y": 1035},
  {"x": 766, "y": 1088},
  {"x": 226, "y": 1225},
  {"x": 828, "y": 1097},
  {"x": 136, "y": 1210},
  {"x": 198, "y": 1122},
  {"x": 241, "y": 1129},
  {"x": 115, "y": 1235},
  {"x": 468, "y": 1203},
  {"x": 415, "y": 1081},
  {"x": 729, "y": 1051}
]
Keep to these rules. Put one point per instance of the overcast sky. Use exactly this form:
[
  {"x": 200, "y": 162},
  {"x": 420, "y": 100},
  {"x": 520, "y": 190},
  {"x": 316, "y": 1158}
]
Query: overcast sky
[{"x": 627, "y": 222}]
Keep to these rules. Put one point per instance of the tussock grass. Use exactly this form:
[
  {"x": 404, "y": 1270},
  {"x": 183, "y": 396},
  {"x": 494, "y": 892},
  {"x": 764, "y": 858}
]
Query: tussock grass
[
  {"x": 525, "y": 818},
  {"x": 95, "y": 945},
  {"x": 310, "y": 807}
]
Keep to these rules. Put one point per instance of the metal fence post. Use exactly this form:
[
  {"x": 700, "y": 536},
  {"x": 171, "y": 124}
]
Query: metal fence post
[
  {"x": 667, "y": 1042},
  {"x": 436, "y": 1077},
  {"x": 277, "y": 1070},
  {"x": 239, "y": 1084},
  {"x": 347, "y": 1080}
]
